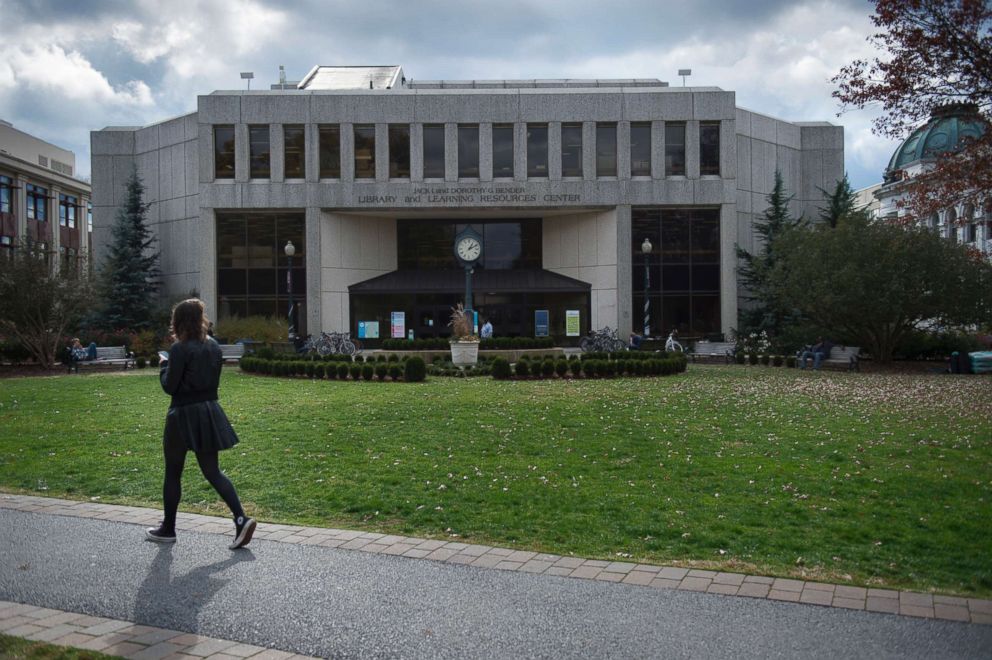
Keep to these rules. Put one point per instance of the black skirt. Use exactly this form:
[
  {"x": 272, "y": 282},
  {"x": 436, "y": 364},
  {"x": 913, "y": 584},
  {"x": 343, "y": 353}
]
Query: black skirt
[{"x": 200, "y": 426}]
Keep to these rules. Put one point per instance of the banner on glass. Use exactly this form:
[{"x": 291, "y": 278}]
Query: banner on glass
[
  {"x": 541, "y": 325},
  {"x": 571, "y": 323},
  {"x": 398, "y": 325}
]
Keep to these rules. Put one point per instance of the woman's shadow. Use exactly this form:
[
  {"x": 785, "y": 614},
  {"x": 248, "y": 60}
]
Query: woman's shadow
[{"x": 175, "y": 602}]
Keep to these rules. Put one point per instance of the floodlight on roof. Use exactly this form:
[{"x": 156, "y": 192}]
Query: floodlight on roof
[
  {"x": 247, "y": 75},
  {"x": 684, "y": 73}
]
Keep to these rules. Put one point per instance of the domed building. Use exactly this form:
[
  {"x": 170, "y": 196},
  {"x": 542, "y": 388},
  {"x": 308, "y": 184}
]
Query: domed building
[{"x": 947, "y": 130}]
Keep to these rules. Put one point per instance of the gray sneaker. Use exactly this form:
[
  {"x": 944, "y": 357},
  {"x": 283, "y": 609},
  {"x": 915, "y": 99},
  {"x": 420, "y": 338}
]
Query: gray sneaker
[{"x": 156, "y": 535}]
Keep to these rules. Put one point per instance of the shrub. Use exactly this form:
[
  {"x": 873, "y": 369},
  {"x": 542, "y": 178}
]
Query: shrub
[
  {"x": 501, "y": 369},
  {"x": 766, "y": 359},
  {"x": 739, "y": 357},
  {"x": 395, "y": 371},
  {"x": 611, "y": 368},
  {"x": 301, "y": 367},
  {"x": 777, "y": 360},
  {"x": 343, "y": 369},
  {"x": 154, "y": 360},
  {"x": 368, "y": 372},
  {"x": 790, "y": 361},
  {"x": 355, "y": 370},
  {"x": 561, "y": 368},
  {"x": 266, "y": 329},
  {"x": 358, "y": 358},
  {"x": 575, "y": 366},
  {"x": 141, "y": 362},
  {"x": 752, "y": 358},
  {"x": 309, "y": 369},
  {"x": 381, "y": 370},
  {"x": 523, "y": 368},
  {"x": 548, "y": 368},
  {"x": 415, "y": 370},
  {"x": 393, "y": 357}
]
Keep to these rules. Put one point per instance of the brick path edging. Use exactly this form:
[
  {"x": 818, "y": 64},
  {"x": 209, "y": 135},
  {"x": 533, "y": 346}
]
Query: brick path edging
[
  {"x": 906, "y": 603},
  {"x": 123, "y": 638}
]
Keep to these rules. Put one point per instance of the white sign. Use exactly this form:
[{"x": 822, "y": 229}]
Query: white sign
[
  {"x": 398, "y": 325},
  {"x": 571, "y": 323}
]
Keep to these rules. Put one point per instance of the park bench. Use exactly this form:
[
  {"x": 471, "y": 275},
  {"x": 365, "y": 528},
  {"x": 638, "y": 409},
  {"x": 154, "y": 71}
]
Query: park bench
[
  {"x": 723, "y": 350},
  {"x": 840, "y": 356},
  {"x": 111, "y": 356},
  {"x": 232, "y": 352}
]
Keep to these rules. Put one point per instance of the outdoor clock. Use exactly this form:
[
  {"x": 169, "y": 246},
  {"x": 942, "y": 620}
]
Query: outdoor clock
[{"x": 468, "y": 247}]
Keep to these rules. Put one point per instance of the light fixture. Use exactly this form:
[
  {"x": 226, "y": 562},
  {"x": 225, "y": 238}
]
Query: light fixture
[
  {"x": 684, "y": 73},
  {"x": 247, "y": 75},
  {"x": 646, "y": 246},
  {"x": 290, "y": 249}
]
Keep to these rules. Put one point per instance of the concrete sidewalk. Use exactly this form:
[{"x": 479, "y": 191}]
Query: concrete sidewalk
[{"x": 335, "y": 592}]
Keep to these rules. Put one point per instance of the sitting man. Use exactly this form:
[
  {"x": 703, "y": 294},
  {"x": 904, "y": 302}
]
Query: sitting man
[
  {"x": 819, "y": 351},
  {"x": 635, "y": 342}
]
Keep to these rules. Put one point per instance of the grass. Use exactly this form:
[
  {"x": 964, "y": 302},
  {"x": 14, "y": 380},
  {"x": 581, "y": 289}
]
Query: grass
[
  {"x": 17, "y": 648},
  {"x": 882, "y": 480}
]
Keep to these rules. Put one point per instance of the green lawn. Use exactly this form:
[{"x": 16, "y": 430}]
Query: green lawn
[
  {"x": 18, "y": 648},
  {"x": 877, "y": 479}
]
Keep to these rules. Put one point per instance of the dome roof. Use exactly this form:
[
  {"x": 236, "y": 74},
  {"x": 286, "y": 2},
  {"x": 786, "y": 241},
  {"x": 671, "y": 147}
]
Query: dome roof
[{"x": 948, "y": 126}]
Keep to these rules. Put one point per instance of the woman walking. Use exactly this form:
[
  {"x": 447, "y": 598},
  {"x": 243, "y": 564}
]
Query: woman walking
[{"x": 195, "y": 422}]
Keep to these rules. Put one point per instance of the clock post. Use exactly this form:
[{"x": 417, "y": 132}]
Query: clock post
[{"x": 468, "y": 251}]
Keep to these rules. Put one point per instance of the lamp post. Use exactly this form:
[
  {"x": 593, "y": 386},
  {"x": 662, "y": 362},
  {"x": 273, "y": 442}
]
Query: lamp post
[
  {"x": 646, "y": 249},
  {"x": 290, "y": 250}
]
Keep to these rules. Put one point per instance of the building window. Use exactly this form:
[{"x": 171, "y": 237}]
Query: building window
[
  {"x": 252, "y": 267},
  {"x": 537, "y": 150},
  {"x": 36, "y": 199},
  {"x": 709, "y": 148},
  {"x": 640, "y": 149},
  {"x": 6, "y": 194},
  {"x": 399, "y": 151},
  {"x": 468, "y": 151},
  {"x": 365, "y": 151},
  {"x": 571, "y": 150},
  {"x": 433, "y": 151},
  {"x": 971, "y": 232},
  {"x": 503, "y": 151},
  {"x": 258, "y": 143},
  {"x": 606, "y": 149},
  {"x": 89, "y": 217},
  {"x": 330, "y": 151},
  {"x": 223, "y": 152},
  {"x": 295, "y": 149},
  {"x": 674, "y": 149},
  {"x": 509, "y": 244},
  {"x": 684, "y": 270},
  {"x": 67, "y": 211}
]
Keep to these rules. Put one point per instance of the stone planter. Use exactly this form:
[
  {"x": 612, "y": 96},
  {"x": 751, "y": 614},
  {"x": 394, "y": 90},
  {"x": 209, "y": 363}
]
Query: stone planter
[{"x": 464, "y": 353}]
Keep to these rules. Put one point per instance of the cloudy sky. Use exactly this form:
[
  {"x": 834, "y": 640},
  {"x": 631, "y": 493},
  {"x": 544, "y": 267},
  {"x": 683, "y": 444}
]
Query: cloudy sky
[{"x": 71, "y": 66}]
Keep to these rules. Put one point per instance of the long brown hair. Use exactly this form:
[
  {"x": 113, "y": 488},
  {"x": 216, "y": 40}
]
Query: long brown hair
[{"x": 189, "y": 322}]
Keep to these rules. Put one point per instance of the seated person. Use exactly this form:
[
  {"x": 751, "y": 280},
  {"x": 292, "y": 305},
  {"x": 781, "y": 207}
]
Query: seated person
[
  {"x": 77, "y": 352},
  {"x": 819, "y": 351},
  {"x": 635, "y": 341}
]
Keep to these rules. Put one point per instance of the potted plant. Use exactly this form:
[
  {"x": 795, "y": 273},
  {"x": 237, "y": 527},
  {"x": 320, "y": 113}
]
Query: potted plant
[{"x": 464, "y": 344}]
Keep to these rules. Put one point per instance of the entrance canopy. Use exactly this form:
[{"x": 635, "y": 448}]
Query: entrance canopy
[{"x": 483, "y": 281}]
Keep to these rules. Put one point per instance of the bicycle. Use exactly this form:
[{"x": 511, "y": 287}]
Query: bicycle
[
  {"x": 333, "y": 343},
  {"x": 672, "y": 344},
  {"x": 602, "y": 341}
]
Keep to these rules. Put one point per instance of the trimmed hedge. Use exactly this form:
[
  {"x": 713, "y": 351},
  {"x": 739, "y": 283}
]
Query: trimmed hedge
[
  {"x": 441, "y": 343},
  {"x": 415, "y": 370},
  {"x": 658, "y": 364},
  {"x": 330, "y": 369},
  {"x": 501, "y": 369}
]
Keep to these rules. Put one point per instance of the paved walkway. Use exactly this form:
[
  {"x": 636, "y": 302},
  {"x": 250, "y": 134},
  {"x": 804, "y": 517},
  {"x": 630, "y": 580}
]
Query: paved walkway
[{"x": 335, "y": 592}]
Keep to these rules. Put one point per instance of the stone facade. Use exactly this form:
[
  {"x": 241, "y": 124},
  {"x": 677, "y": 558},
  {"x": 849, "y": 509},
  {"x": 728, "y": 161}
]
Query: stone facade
[{"x": 351, "y": 224}]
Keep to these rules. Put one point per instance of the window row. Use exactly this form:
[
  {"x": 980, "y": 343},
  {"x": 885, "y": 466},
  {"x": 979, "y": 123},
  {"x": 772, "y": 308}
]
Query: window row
[
  {"x": 468, "y": 151},
  {"x": 36, "y": 202}
]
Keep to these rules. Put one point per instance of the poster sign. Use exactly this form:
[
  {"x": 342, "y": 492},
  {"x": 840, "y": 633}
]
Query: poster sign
[
  {"x": 368, "y": 329},
  {"x": 571, "y": 323},
  {"x": 541, "y": 325},
  {"x": 397, "y": 325}
]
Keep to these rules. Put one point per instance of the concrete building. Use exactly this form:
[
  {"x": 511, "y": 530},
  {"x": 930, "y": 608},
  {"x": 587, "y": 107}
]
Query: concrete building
[
  {"x": 42, "y": 204},
  {"x": 371, "y": 175}
]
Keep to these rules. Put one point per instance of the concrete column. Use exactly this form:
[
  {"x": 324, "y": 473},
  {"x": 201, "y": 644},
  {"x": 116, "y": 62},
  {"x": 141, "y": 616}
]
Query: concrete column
[
  {"x": 20, "y": 208},
  {"x": 692, "y": 149},
  {"x": 242, "y": 154},
  {"x": 382, "y": 153},
  {"x": 624, "y": 287},
  {"x": 520, "y": 151},
  {"x": 657, "y": 150},
  {"x": 589, "y": 150},
  {"x": 451, "y": 152},
  {"x": 554, "y": 151},
  {"x": 623, "y": 150},
  {"x": 348, "y": 153},
  {"x": 277, "y": 153},
  {"x": 84, "y": 234},
  {"x": 312, "y": 139},
  {"x": 52, "y": 210},
  {"x": 485, "y": 152},
  {"x": 208, "y": 261},
  {"x": 728, "y": 149},
  {"x": 417, "y": 152},
  {"x": 313, "y": 252},
  {"x": 728, "y": 268}
]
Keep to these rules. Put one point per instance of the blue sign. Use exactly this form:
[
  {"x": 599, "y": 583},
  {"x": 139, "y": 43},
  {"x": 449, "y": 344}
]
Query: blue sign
[{"x": 541, "y": 323}]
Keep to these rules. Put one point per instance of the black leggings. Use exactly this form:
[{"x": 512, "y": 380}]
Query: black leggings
[{"x": 175, "y": 460}]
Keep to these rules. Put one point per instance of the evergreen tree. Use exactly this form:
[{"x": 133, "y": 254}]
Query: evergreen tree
[
  {"x": 754, "y": 269},
  {"x": 130, "y": 273},
  {"x": 840, "y": 203}
]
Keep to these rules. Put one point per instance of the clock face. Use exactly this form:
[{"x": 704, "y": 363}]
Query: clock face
[{"x": 468, "y": 249}]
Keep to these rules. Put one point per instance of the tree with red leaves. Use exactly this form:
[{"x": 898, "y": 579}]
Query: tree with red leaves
[{"x": 936, "y": 52}]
